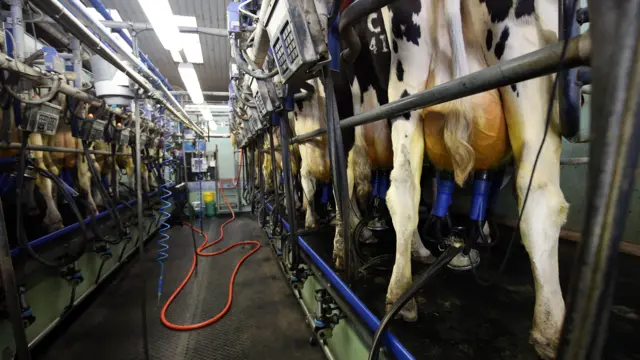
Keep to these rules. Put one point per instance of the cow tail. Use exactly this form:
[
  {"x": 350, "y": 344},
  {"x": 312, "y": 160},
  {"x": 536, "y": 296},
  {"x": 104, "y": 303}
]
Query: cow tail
[{"x": 457, "y": 130}]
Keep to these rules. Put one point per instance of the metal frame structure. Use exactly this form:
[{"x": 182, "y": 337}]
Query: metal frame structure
[
  {"x": 612, "y": 161},
  {"x": 144, "y": 90}
]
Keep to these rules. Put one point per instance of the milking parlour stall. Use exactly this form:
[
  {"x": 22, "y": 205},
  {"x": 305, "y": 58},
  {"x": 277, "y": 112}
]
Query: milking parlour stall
[{"x": 348, "y": 179}]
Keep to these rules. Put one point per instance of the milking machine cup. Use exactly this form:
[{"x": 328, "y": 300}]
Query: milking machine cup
[
  {"x": 298, "y": 42},
  {"x": 41, "y": 118}
]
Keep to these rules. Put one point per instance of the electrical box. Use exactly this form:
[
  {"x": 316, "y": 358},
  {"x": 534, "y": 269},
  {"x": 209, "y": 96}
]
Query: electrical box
[
  {"x": 122, "y": 136},
  {"x": 265, "y": 97},
  {"x": 297, "y": 39},
  {"x": 42, "y": 118},
  {"x": 52, "y": 61},
  {"x": 233, "y": 17},
  {"x": 91, "y": 129},
  {"x": 199, "y": 164}
]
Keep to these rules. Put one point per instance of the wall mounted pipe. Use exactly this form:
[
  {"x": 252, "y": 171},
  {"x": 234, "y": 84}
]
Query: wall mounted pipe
[
  {"x": 17, "y": 29},
  {"x": 102, "y": 10},
  {"x": 535, "y": 64},
  {"x": 67, "y": 229},
  {"x": 37, "y": 76},
  {"x": 71, "y": 24},
  {"x": 358, "y": 306},
  {"x": 58, "y": 149}
]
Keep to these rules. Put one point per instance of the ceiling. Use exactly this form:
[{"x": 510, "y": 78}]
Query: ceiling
[{"x": 214, "y": 73}]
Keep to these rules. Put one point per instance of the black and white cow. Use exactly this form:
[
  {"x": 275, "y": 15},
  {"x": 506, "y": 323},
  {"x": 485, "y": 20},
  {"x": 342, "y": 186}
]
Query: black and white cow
[{"x": 434, "y": 41}]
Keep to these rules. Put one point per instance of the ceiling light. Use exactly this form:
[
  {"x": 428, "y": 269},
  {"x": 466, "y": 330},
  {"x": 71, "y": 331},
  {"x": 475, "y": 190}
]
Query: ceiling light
[
  {"x": 206, "y": 114},
  {"x": 190, "y": 42},
  {"x": 176, "y": 56},
  {"x": 190, "y": 80},
  {"x": 160, "y": 16}
]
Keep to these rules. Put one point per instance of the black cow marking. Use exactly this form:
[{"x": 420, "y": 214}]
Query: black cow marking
[
  {"x": 404, "y": 94},
  {"x": 300, "y": 105},
  {"x": 524, "y": 8},
  {"x": 489, "y": 39},
  {"x": 500, "y": 45},
  {"x": 402, "y": 24},
  {"x": 395, "y": 46},
  {"x": 514, "y": 88},
  {"x": 498, "y": 9},
  {"x": 400, "y": 71}
]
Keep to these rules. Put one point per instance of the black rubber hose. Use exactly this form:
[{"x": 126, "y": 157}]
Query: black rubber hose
[
  {"x": 22, "y": 237},
  {"x": 115, "y": 217},
  {"x": 417, "y": 284}
]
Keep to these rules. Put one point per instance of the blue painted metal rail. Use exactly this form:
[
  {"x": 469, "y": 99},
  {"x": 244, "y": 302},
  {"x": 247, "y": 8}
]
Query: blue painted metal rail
[
  {"x": 67, "y": 229},
  {"x": 390, "y": 341}
]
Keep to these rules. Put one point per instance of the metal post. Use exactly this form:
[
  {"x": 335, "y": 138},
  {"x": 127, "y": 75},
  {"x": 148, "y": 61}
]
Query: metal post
[
  {"x": 136, "y": 118},
  {"x": 338, "y": 170},
  {"x": 17, "y": 29},
  {"x": 290, "y": 241},
  {"x": 274, "y": 176},
  {"x": 613, "y": 160},
  {"x": 11, "y": 293},
  {"x": 263, "y": 216},
  {"x": 77, "y": 62}
]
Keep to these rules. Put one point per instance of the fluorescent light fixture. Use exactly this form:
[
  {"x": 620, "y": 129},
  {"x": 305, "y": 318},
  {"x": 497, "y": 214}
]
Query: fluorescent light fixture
[
  {"x": 160, "y": 16},
  {"x": 190, "y": 42},
  {"x": 176, "y": 56},
  {"x": 190, "y": 80},
  {"x": 206, "y": 114}
]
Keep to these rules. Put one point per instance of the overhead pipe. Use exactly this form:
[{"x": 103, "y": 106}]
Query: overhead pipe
[
  {"x": 535, "y": 64},
  {"x": 102, "y": 10},
  {"x": 17, "y": 29},
  {"x": 139, "y": 26},
  {"x": 108, "y": 40},
  {"x": 105, "y": 34},
  {"x": 71, "y": 24}
]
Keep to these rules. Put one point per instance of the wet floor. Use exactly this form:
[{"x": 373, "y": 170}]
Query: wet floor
[{"x": 461, "y": 319}]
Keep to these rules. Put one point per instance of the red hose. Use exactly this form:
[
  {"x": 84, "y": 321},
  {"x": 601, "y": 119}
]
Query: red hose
[{"x": 200, "y": 251}]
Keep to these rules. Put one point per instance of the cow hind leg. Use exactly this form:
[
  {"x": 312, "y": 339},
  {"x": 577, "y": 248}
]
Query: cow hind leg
[
  {"x": 308, "y": 193},
  {"x": 52, "y": 219},
  {"x": 525, "y": 105},
  {"x": 358, "y": 169}
]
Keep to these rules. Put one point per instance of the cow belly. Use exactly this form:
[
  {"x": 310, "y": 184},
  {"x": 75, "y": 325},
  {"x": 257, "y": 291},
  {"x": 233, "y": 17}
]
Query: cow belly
[
  {"x": 489, "y": 138},
  {"x": 377, "y": 137},
  {"x": 317, "y": 161}
]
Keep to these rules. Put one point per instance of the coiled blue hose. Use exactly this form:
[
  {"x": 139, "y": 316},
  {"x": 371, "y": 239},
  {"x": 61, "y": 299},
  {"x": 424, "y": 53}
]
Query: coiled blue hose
[{"x": 165, "y": 193}]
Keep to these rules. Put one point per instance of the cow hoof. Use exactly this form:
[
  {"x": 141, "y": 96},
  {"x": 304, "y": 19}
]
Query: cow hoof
[
  {"x": 409, "y": 312},
  {"x": 309, "y": 224},
  {"x": 423, "y": 255},
  {"x": 425, "y": 259},
  {"x": 338, "y": 260},
  {"x": 545, "y": 347}
]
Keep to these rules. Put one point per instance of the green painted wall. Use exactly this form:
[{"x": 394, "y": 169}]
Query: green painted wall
[{"x": 48, "y": 293}]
